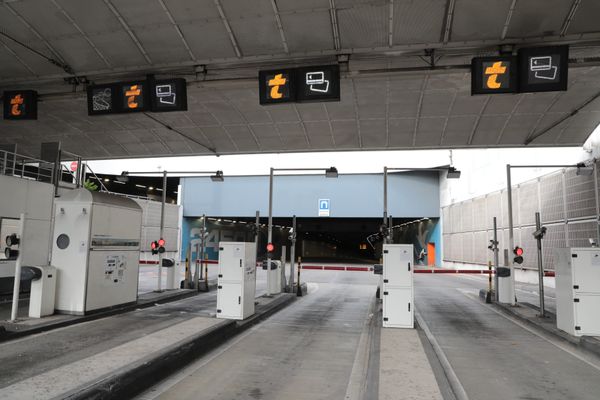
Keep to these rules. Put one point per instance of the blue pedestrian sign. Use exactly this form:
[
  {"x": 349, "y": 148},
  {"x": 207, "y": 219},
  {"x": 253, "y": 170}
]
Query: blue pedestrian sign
[{"x": 324, "y": 207}]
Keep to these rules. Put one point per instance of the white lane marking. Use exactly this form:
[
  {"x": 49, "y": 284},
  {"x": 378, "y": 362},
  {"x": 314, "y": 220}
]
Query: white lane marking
[
  {"x": 457, "y": 387},
  {"x": 530, "y": 330},
  {"x": 533, "y": 292}
]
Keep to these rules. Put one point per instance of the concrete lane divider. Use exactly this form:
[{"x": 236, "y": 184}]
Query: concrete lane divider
[{"x": 139, "y": 375}]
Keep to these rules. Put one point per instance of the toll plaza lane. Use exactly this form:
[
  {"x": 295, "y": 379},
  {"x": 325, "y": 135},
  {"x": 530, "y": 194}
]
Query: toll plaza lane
[
  {"x": 306, "y": 351},
  {"x": 493, "y": 357},
  {"x": 33, "y": 355}
]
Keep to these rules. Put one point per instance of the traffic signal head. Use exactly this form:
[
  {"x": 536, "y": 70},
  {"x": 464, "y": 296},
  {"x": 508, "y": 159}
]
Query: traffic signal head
[
  {"x": 161, "y": 242},
  {"x": 518, "y": 251},
  {"x": 154, "y": 247},
  {"x": 270, "y": 247}
]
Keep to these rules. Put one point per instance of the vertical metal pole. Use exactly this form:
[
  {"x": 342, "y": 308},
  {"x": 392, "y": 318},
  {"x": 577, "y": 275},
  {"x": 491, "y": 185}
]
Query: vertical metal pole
[
  {"x": 496, "y": 259},
  {"x": 390, "y": 236},
  {"x": 17, "y": 283},
  {"x": 78, "y": 174},
  {"x": 596, "y": 196},
  {"x": 283, "y": 260},
  {"x": 511, "y": 238},
  {"x": 293, "y": 253},
  {"x": 385, "y": 207},
  {"x": 198, "y": 270},
  {"x": 162, "y": 228},
  {"x": 538, "y": 226},
  {"x": 270, "y": 231}
]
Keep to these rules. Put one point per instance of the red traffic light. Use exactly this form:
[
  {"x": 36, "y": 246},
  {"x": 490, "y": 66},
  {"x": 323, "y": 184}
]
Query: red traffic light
[
  {"x": 153, "y": 245},
  {"x": 270, "y": 247},
  {"x": 161, "y": 242},
  {"x": 518, "y": 251}
]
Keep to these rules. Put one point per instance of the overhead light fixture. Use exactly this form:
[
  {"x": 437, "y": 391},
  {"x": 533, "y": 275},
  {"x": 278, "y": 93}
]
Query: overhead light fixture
[
  {"x": 124, "y": 177},
  {"x": 331, "y": 172},
  {"x": 218, "y": 177},
  {"x": 106, "y": 180},
  {"x": 151, "y": 188},
  {"x": 584, "y": 170},
  {"x": 140, "y": 186},
  {"x": 453, "y": 173}
]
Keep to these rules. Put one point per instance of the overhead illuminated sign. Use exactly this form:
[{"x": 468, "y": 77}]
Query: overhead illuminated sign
[
  {"x": 20, "y": 104},
  {"x": 276, "y": 86},
  {"x": 151, "y": 95},
  {"x": 169, "y": 95},
  {"x": 543, "y": 69},
  {"x": 494, "y": 75},
  {"x": 101, "y": 99},
  {"x": 133, "y": 96},
  {"x": 318, "y": 83}
]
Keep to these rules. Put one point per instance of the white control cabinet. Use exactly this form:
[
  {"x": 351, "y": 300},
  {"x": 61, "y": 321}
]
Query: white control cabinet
[
  {"x": 578, "y": 291},
  {"x": 236, "y": 288},
  {"x": 95, "y": 250},
  {"x": 397, "y": 291}
]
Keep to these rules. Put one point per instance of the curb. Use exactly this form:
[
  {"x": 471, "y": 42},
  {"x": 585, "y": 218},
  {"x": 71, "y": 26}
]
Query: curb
[
  {"x": 585, "y": 343},
  {"x": 131, "y": 380},
  {"x": 6, "y": 334}
]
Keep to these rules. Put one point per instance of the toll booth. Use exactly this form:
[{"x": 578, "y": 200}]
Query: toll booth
[
  {"x": 236, "y": 286},
  {"x": 398, "y": 289},
  {"x": 578, "y": 291},
  {"x": 96, "y": 247}
]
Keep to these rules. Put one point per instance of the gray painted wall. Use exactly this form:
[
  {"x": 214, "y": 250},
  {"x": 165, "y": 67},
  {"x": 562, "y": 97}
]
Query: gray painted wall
[{"x": 414, "y": 194}]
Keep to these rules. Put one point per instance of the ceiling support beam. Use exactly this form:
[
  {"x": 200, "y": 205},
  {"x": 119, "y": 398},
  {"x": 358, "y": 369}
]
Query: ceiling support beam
[
  {"x": 280, "y": 27},
  {"x": 567, "y": 22},
  {"x": 447, "y": 30},
  {"x": 85, "y": 36},
  {"x": 177, "y": 29},
  {"x": 511, "y": 10},
  {"x": 356, "y": 113},
  {"x": 335, "y": 29},
  {"x": 225, "y": 21},
  {"x": 477, "y": 121},
  {"x": 419, "y": 108},
  {"x": 58, "y": 60},
  {"x": 391, "y": 24},
  {"x": 125, "y": 26}
]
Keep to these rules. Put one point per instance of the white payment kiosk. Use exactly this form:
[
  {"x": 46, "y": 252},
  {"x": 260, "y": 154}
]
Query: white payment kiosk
[
  {"x": 397, "y": 290},
  {"x": 236, "y": 287},
  {"x": 578, "y": 291},
  {"x": 96, "y": 250}
]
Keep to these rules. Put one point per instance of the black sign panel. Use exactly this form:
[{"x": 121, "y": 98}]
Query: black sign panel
[
  {"x": 169, "y": 95},
  {"x": 133, "y": 96},
  {"x": 20, "y": 104},
  {"x": 102, "y": 99},
  {"x": 276, "y": 86},
  {"x": 494, "y": 75},
  {"x": 321, "y": 83},
  {"x": 543, "y": 69}
]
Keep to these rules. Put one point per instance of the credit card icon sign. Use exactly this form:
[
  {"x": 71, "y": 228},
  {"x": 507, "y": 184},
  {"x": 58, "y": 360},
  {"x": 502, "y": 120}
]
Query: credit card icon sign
[{"x": 316, "y": 82}]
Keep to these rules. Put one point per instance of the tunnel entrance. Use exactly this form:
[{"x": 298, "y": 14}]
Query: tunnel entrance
[{"x": 325, "y": 240}]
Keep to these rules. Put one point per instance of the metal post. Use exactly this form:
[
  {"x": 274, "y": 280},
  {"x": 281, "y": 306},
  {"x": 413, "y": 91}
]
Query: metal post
[
  {"x": 385, "y": 208},
  {"x": 17, "y": 283},
  {"x": 496, "y": 259},
  {"x": 293, "y": 253},
  {"x": 299, "y": 289},
  {"x": 511, "y": 239},
  {"x": 283, "y": 260},
  {"x": 390, "y": 235},
  {"x": 270, "y": 231},
  {"x": 162, "y": 228},
  {"x": 538, "y": 226},
  {"x": 597, "y": 195},
  {"x": 198, "y": 270},
  {"x": 78, "y": 173}
]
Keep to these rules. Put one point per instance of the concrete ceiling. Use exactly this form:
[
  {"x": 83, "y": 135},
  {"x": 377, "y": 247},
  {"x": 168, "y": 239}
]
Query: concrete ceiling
[{"x": 406, "y": 84}]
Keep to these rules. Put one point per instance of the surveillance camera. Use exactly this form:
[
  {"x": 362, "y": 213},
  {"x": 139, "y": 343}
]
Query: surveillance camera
[
  {"x": 593, "y": 242},
  {"x": 539, "y": 234}
]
